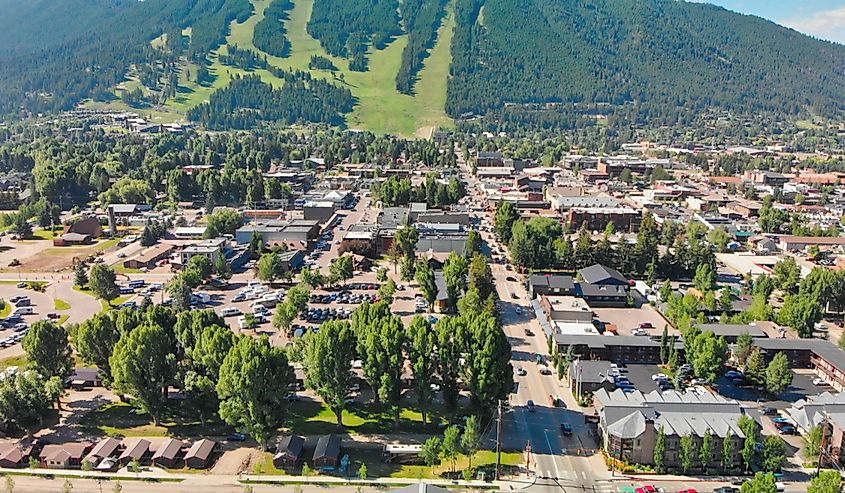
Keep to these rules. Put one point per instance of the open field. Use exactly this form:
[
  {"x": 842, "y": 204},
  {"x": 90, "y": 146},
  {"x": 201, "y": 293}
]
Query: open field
[{"x": 59, "y": 258}]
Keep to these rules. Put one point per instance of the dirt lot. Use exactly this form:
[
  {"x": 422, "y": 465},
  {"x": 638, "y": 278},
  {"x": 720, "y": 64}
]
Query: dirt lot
[
  {"x": 54, "y": 259},
  {"x": 629, "y": 318}
]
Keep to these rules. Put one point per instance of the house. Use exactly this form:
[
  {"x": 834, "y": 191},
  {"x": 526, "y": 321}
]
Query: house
[
  {"x": 590, "y": 376},
  {"x": 600, "y": 275},
  {"x": 168, "y": 452},
  {"x": 150, "y": 257},
  {"x": 441, "y": 303},
  {"x": 550, "y": 284},
  {"x": 104, "y": 449},
  {"x": 89, "y": 226},
  {"x": 289, "y": 453},
  {"x": 133, "y": 449},
  {"x": 199, "y": 455},
  {"x": 603, "y": 295},
  {"x": 327, "y": 452},
  {"x": 14, "y": 455},
  {"x": 82, "y": 378},
  {"x": 629, "y": 424},
  {"x": 64, "y": 456}
]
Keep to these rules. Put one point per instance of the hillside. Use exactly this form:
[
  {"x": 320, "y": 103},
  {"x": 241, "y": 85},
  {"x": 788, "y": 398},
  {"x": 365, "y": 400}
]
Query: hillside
[
  {"x": 663, "y": 55},
  {"x": 409, "y": 65}
]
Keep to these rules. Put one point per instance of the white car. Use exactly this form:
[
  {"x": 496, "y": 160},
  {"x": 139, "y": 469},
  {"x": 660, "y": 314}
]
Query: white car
[
  {"x": 659, "y": 376},
  {"x": 818, "y": 381}
]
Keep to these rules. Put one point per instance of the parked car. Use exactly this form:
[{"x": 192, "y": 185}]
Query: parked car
[
  {"x": 770, "y": 411},
  {"x": 520, "y": 371},
  {"x": 726, "y": 489},
  {"x": 530, "y": 406},
  {"x": 566, "y": 429},
  {"x": 787, "y": 430},
  {"x": 819, "y": 381},
  {"x": 236, "y": 437}
]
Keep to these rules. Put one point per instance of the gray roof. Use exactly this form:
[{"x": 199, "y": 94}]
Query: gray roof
[
  {"x": 591, "y": 371},
  {"x": 601, "y": 274},
  {"x": 587, "y": 289},
  {"x": 290, "y": 445},
  {"x": 393, "y": 217},
  {"x": 327, "y": 446},
  {"x": 201, "y": 449},
  {"x": 626, "y": 414},
  {"x": 442, "y": 290},
  {"x": 554, "y": 281},
  {"x": 732, "y": 330},
  {"x": 810, "y": 411},
  {"x": 442, "y": 244},
  {"x": 823, "y": 349}
]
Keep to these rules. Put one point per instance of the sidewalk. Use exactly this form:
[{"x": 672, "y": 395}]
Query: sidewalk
[{"x": 159, "y": 475}]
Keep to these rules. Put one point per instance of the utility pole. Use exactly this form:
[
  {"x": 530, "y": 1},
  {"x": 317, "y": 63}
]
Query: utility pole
[{"x": 499, "y": 441}]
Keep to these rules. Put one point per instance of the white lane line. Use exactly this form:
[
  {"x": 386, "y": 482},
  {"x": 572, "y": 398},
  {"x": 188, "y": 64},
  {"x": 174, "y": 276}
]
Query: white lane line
[
  {"x": 551, "y": 451},
  {"x": 584, "y": 474}
]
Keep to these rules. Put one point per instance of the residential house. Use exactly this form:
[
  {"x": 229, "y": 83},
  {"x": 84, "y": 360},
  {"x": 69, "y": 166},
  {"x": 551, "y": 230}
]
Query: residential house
[
  {"x": 200, "y": 454},
  {"x": 168, "y": 453},
  {"x": 134, "y": 449},
  {"x": 14, "y": 455},
  {"x": 289, "y": 453},
  {"x": 327, "y": 452},
  {"x": 64, "y": 456},
  {"x": 105, "y": 448}
]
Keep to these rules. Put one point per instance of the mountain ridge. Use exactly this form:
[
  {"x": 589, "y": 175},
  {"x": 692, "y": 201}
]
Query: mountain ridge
[{"x": 641, "y": 62}]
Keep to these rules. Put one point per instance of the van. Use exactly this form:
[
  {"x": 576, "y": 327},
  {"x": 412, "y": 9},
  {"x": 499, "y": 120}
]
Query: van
[
  {"x": 22, "y": 301},
  {"x": 230, "y": 311},
  {"x": 23, "y": 310}
]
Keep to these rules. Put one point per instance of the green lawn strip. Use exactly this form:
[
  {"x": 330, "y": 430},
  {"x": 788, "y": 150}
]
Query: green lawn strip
[
  {"x": 121, "y": 419},
  {"x": 313, "y": 418},
  {"x": 92, "y": 476},
  {"x": 115, "y": 302},
  {"x": 6, "y": 310},
  {"x": 20, "y": 361},
  {"x": 121, "y": 269},
  {"x": 60, "y": 304}
]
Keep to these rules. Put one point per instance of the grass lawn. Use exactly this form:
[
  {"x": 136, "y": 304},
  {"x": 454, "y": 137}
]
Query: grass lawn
[
  {"x": 121, "y": 269},
  {"x": 62, "y": 319},
  {"x": 115, "y": 302},
  {"x": 83, "y": 249},
  {"x": 484, "y": 460},
  {"x": 60, "y": 304},
  {"x": 19, "y": 361},
  {"x": 6, "y": 310},
  {"x": 43, "y": 234},
  {"x": 124, "y": 419},
  {"x": 313, "y": 417}
]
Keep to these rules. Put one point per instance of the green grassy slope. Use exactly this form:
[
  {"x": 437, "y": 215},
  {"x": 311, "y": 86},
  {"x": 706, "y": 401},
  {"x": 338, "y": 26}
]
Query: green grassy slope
[{"x": 380, "y": 107}]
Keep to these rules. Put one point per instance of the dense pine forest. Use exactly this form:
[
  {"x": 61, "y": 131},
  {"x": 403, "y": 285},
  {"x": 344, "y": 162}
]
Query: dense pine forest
[
  {"x": 654, "y": 55},
  {"x": 247, "y": 101},
  {"x": 269, "y": 35},
  {"x": 348, "y": 27},
  {"x": 421, "y": 19}
]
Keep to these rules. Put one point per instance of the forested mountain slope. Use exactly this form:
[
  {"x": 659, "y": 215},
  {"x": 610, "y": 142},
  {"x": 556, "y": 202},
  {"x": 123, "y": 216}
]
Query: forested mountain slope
[
  {"x": 661, "y": 54},
  {"x": 642, "y": 62}
]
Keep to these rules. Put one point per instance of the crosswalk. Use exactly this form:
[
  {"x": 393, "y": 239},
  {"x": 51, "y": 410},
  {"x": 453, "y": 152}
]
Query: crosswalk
[{"x": 564, "y": 474}]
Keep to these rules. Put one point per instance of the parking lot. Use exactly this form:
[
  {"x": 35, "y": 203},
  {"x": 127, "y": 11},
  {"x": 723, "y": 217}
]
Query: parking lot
[
  {"x": 640, "y": 376},
  {"x": 802, "y": 386}
]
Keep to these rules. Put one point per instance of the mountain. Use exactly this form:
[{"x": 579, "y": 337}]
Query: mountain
[
  {"x": 409, "y": 63},
  {"x": 665, "y": 56}
]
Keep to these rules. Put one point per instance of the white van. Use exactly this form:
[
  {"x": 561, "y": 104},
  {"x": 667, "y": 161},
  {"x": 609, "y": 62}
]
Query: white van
[
  {"x": 780, "y": 487},
  {"x": 23, "y": 310},
  {"x": 230, "y": 311}
]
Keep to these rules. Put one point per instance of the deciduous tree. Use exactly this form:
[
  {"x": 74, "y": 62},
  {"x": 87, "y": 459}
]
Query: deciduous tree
[
  {"x": 95, "y": 340},
  {"x": 778, "y": 374},
  {"x": 46, "y": 346},
  {"x": 246, "y": 399},
  {"x": 328, "y": 364},
  {"x": 103, "y": 282}
]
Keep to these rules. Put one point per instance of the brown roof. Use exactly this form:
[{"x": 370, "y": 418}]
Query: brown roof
[
  {"x": 104, "y": 448},
  {"x": 814, "y": 240},
  {"x": 201, "y": 449},
  {"x": 71, "y": 450},
  {"x": 154, "y": 252},
  {"x": 168, "y": 449},
  {"x": 135, "y": 449}
]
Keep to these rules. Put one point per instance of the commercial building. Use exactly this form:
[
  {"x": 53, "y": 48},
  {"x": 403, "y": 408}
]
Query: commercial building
[
  {"x": 624, "y": 219},
  {"x": 550, "y": 284},
  {"x": 630, "y": 422},
  {"x": 566, "y": 309},
  {"x": 212, "y": 248},
  {"x": 298, "y": 230},
  {"x": 618, "y": 349}
]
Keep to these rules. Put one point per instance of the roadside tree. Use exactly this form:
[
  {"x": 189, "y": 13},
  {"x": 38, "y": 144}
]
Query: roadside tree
[
  {"x": 328, "y": 364},
  {"x": 246, "y": 399},
  {"x": 103, "y": 283}
]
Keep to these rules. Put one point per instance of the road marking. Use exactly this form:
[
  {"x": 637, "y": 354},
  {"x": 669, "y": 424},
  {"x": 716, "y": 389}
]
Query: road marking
[
  {"x": 584, "y": 474},
  {"x": 549, "y": 443}
]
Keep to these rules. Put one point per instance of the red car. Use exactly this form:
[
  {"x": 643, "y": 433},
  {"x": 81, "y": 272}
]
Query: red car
[
  {"x": 691, "y": 490},
  {"x": 646, "y": 489}
]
